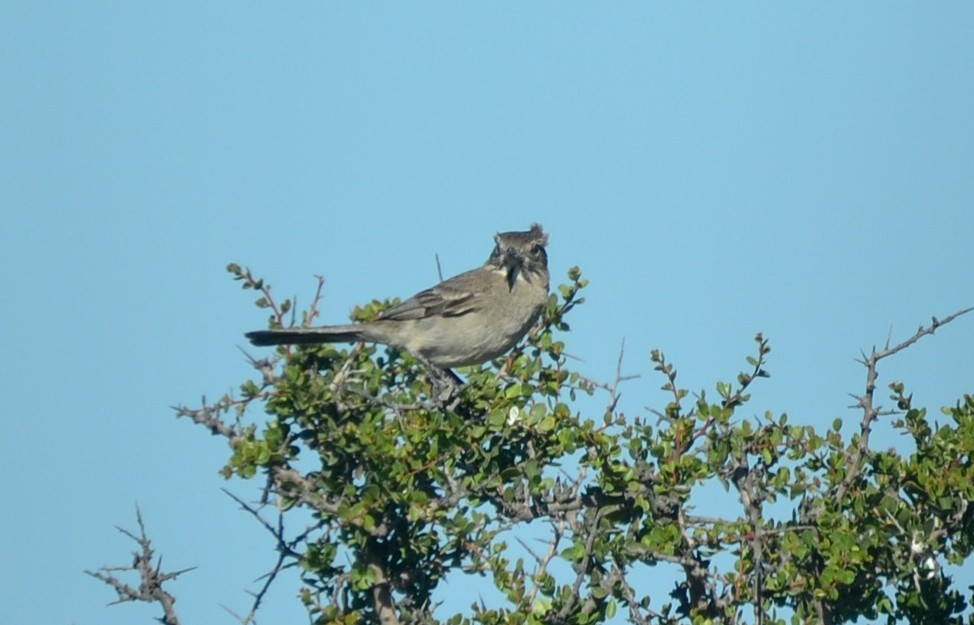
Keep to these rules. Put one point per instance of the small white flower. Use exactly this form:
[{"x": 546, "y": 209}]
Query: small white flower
[
  {"x": 927, "y": 565},
  {"x": 513, "y": 415},
  {"x": 917, "y": 546}
]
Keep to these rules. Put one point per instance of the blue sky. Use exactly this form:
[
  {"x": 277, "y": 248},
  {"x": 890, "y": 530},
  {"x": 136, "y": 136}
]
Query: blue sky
[{"x": 715, "y": 169}]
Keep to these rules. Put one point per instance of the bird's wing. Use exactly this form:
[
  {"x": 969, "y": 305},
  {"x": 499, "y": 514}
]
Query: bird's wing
[{"x": 451, "y": 298}]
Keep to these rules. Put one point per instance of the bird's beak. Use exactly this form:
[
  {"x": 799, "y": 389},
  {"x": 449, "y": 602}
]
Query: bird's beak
[{"x": 513, "y": 263}]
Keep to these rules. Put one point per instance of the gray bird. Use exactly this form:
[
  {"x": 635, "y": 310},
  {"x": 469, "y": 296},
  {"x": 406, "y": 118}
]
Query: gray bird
[{"x": 465, "y": 320}]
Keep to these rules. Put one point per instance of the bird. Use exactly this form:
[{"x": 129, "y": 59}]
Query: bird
[{"x": 465, "y": 320}]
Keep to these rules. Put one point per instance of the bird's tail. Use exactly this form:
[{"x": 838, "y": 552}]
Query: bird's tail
[{"x": 305, "y": 336}]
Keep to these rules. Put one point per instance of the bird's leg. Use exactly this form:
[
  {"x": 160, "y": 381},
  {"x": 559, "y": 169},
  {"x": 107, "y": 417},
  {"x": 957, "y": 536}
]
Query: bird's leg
[
  {"x": 446, "y": 384},
  {"x": 452, "y": 375}
]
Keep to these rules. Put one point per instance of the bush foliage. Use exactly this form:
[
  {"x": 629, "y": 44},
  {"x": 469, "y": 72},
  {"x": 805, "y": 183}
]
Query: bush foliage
[{"x": 385, "y": 488}]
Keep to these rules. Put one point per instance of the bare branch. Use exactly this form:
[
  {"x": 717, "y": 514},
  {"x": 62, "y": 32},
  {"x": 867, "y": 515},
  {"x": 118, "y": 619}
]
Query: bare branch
[
  {"x": 285, "y": 550},
  {"x": 920, "y": 333},
  {"x": 748, "y": 486},
  {"x": 583, "y": 567},
  {"x": 558, "y": 530},
  {"x": 151, "y": 577},
  {"x": 313, "y": 308},
  {"x": 866, "y": 401},
  {"x": 209, "y": 417},
  {"x": 613, "y": 388},
  {"x": 384, "y": 605}
]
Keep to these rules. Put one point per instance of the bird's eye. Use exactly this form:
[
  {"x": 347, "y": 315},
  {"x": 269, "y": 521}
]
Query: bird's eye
[{"x": 537, "y": 249}]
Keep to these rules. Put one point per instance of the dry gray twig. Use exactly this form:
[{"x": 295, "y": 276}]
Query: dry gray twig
[{"x": 151, "y": 577}]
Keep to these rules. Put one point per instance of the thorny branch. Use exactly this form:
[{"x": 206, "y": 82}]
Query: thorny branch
[
  {"x": 613, "y": 389},
  {"x": 151, "y": 577},
  {"x": 866, "y": 401},
  {"x": 286, "y": 550},
  {"x": 583, "y": 567},
  {"x": 558, "y": 531},
  {"x": 751, "y": 499}
]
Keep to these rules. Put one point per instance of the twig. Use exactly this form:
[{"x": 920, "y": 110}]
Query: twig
[
  {"x": 151, "y": 577},
  {"x": 582, "y": 569},
  {"x": 208, "y": 417},
  {"x": 285, "y": 549},
  {"x": 313, "y": 308},
  {"x": 543, "y": 561},
  {"x": 870, "y": 411}
]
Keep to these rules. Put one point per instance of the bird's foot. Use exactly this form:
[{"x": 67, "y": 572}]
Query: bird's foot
[{"x": 446, "y": 385}]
